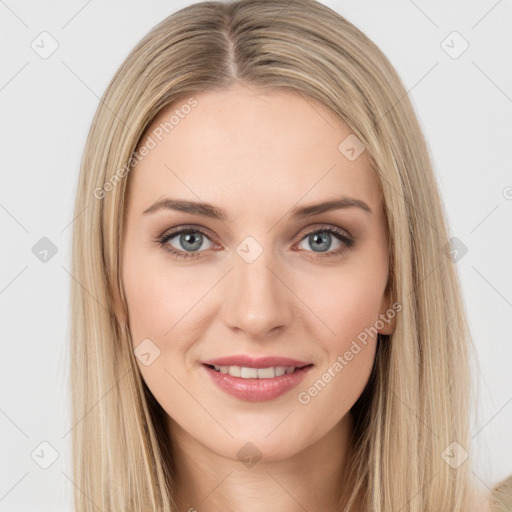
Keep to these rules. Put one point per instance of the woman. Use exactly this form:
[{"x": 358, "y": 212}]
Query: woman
[{"x": 267, "y": 311}]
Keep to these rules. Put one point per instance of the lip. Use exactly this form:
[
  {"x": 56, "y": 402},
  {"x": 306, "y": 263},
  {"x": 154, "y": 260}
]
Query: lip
[
  {"x": 257, "y": 390},
  {"x": 256, "y": 362}
]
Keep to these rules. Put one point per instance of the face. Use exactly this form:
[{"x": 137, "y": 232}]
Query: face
[{"x": 267, "y": 277}]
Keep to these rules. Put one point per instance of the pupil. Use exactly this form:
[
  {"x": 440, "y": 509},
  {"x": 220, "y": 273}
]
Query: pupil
[
  {"x": 323, "y": 240},
  {"x": 191, "y": 241}
]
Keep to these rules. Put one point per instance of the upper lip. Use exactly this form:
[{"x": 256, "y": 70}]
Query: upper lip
[{"x": 256, "y": 362}]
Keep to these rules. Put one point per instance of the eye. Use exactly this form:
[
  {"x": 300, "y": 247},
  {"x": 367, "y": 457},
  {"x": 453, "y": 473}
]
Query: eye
[
  {"x": 321, "y": 240},
  {"x": 181, "y": 241},
  {"x": 187, "y": 242}
]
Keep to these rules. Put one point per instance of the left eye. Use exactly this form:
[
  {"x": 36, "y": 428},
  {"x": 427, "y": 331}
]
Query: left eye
[{"x": 322, "y": 240}]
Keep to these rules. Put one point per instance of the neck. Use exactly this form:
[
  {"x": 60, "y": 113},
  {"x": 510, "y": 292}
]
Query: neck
[{"x": 315, "y": 478}]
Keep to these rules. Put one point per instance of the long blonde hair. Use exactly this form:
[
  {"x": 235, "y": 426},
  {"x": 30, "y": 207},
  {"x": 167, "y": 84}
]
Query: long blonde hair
[{"x": 417, "y": 401}]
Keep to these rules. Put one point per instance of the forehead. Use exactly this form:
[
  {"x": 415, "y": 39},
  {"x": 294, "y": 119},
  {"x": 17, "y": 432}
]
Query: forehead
[{"x": 251, "y": 147}]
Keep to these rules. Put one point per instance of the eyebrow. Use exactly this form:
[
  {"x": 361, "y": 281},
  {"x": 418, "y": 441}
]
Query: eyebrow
[{"x": 211, "y": 211}]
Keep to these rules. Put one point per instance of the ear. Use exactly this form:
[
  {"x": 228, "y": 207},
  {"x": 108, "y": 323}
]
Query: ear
[{"x": 387, "y": 314}]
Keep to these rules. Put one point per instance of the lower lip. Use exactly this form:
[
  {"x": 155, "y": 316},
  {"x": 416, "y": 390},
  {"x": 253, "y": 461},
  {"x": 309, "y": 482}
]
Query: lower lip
[{"x": 257, "y": 390}]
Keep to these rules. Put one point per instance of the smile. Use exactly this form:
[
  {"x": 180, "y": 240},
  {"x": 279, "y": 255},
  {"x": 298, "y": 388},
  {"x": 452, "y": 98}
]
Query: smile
[{"x": 256, "y": 384}]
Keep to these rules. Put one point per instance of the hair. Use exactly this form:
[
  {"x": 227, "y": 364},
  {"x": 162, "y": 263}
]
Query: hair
[
  {"x": 417, "y": 400},
  {"x": 501, "y": 498}
]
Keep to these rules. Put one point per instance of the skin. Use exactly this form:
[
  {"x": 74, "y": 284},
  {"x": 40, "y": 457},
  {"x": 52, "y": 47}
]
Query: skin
[{"x": 257, "y": 156}]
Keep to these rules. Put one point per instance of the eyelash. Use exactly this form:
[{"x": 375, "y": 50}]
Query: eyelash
[{"x": 348, "y": 243}]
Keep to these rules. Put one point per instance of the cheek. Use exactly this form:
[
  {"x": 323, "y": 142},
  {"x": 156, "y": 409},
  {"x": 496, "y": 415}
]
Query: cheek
[
  {"x": 157, "y": 298},
  {"x": 346, "y": 301},
  {"x": 160, "y": 307},
  {"x": 345, "y": 342}
]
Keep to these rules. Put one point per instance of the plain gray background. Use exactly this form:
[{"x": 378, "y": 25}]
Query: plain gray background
[{"x": 464, "y": 103}]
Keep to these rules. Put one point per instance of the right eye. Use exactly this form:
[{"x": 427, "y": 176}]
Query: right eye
[{"x": 184, "y": 243}]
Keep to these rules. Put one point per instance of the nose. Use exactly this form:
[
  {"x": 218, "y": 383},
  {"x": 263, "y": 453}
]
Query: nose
[{"x": 258, "y": 301}]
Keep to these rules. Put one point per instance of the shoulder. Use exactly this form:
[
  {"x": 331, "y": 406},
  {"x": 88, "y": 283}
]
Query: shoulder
[
  {"x": 500, "y": 498},
  {"x": 481, "y": 501}
]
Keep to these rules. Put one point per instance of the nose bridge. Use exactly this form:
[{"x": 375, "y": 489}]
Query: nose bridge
[{"x": 258, "y": 301}]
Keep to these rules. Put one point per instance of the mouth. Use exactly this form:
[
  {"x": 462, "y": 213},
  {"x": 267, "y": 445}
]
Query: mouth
[
  {"x": 256, "y": 384},
  {"x": 245, "y": 372}
]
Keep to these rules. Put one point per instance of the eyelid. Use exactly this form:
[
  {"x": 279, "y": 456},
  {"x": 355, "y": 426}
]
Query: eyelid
[
  {"x": 178, "y": 230},
  {"x": 206, "y": 232},
  {"x": 327, "y": 227}
]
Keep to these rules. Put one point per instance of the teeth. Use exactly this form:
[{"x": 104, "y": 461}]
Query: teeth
[
  {"x": 255, "y": 373},
  {"x": 248, "y": 373}
]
